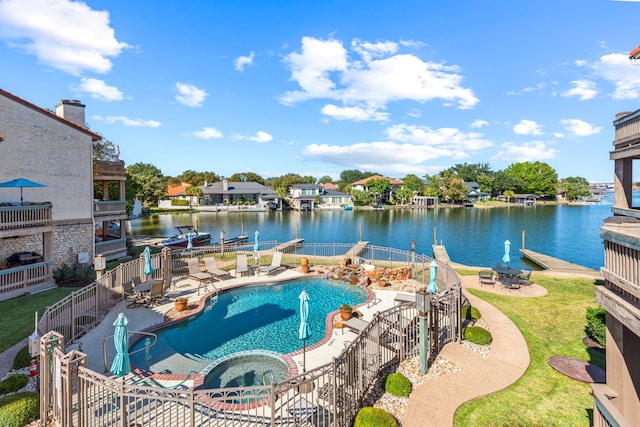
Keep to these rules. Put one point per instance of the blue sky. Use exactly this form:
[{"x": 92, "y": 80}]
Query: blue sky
[{"x": 317, "y": 87}]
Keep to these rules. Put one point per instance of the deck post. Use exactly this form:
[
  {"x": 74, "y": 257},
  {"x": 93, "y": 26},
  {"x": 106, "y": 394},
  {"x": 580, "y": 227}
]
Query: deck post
[{"x": 523, "y": 232}]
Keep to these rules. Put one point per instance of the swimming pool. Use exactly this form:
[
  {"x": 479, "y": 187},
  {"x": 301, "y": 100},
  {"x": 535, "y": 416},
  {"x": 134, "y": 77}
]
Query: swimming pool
[{"x": 254, "y": 317}]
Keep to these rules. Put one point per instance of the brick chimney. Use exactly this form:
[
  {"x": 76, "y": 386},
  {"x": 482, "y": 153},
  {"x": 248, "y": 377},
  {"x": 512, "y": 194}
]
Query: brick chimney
[{"x": 72, "y": 111}]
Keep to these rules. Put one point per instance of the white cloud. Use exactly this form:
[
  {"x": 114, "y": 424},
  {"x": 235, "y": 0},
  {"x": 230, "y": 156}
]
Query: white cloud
[
  {"x": 454, "y": 139},
  {"x": 129, "y": 122},
  {"x": 539, "y": 86},
  {"x": 260, "y": 137},
  {"x": 578, "y": 127},
  {"x": 532, "y": 151},
  {"x": 618, "y": 69},
  {"x": 324, "y": 69},
  {"x": 98, "y": 89},
  {"x": 583, "y": 89},
  {"x": 208, "y": 133},
  {"x": 63, "y": 34},
  {"x": 243, "y": 61},
  {"x": 414, "y": 112},
  {"x": 479, "y": 123},
  {"x": 527, "y": 127},
  {"x": 357, "y": 114},
  {"x": 190, "y": 95}
]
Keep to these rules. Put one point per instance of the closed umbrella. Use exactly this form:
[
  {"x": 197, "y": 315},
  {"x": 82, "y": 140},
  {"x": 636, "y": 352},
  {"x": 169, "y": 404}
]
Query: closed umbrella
[
  {"x": 121, "y": 365},
  {"x": 507, "y": 248},
  {"x": 432, "y": 286},
  {"x": 148, "y": 268},
  {"x": 304, "y": 330},
  {"x": 256, "y": 246},
  {"x": 21, "y": 182},
  {"x": 189, "y": 242}
]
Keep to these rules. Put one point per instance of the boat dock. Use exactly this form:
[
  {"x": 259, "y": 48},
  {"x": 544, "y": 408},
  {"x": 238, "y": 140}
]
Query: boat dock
[
  {"x": 550, "y": 263},
  {"x": 286, "y": 246},
  {"x": 357, "y": 249},
  {"x": 440, "y": 253}
]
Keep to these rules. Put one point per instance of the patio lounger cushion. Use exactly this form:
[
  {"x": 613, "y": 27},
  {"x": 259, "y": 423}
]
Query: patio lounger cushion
[{"x": 276, "y": 263}]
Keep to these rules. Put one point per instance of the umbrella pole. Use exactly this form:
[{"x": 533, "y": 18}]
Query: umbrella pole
[{"x": 304, "y": 356}]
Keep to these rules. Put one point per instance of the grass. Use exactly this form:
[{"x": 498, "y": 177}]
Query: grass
[
  {"x": 19, "y": 314},
  {"x": 552, "y": 325}
]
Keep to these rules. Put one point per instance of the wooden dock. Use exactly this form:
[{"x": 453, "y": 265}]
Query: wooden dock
[
  {"x": 440, "y": 253},
  {"x": 550, "y": 263},
  {"x": 357, "y": 249},
  {"x": 284, "y": 247}
]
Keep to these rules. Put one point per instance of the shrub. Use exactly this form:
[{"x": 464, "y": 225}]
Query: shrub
[
  {"x": 346, "y": 307},
  {"x": 13, "y": 383},
  {"x": 477, "y": 335},
  {"x": 22, "y": 358},
  {"x": 596, "y": 326},
  {"x": 470, "y": 313},
  {"x": 374, "y": 417},
  {"x": 18, "y": 410},
  {"x": 179, "y": 202},
  {"x": 397, "y": 384}
]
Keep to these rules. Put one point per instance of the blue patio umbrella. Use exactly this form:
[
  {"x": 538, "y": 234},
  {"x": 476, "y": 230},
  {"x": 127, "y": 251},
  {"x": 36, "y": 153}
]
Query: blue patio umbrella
[
  {"x": 121, "y": 365},
  {"x": 21, "y": 182},
  {"x": 148, "y": 268},
  {"x": 304, "y": 330},
  {"x": 256, "y": 245},
  {"x": 189, "y": 242},
  {"x": 507, "y": 248},
  {"x": 432, "y": 286}
]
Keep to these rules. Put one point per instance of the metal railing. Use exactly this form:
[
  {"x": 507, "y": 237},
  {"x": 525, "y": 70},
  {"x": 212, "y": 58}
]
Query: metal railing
[{"x": 329, "y": 395}]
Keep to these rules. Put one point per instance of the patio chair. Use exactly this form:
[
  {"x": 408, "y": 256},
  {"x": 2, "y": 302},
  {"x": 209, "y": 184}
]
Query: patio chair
[
  {"x": 193, "y": 264},
  {"x": 276, "y": 264},
  {"x": 128, "y": 293},
  {"x": 154, "y": 296},
  {"x": 212, "y": 268},
  {"x": 241, "y": 265},
  {"x": 523, "y": 279},
  {"x": 486, "y": 277}
]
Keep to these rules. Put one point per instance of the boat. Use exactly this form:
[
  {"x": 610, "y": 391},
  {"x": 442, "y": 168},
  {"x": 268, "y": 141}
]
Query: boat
[
  {"x": 181, "y": 240},
  {"x": 239, "y": 239},
  {"x": 348, "y": 208}
]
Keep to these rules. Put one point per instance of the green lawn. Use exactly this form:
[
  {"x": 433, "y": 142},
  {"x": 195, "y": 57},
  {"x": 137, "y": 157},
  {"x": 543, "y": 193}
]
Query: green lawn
[
  {"x": 552, "y": 325},
  {"x": 18, "y": 314}
]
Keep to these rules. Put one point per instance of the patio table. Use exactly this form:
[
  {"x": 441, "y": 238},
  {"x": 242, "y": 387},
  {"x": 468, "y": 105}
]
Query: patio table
[{"x": 508, "y": 276}]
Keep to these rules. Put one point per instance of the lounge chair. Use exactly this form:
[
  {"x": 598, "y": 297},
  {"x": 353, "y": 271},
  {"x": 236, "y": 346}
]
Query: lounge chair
[
  {"x": 354, "y": 324},
  {"x": 523, "y": 279},
  {"x": 154, "y": 296},
  {"x": 128, "y": 293},
  {"x": 195, "y": 273},
  {"x": 276, "y": 264},
  {"x": 212, "y": 268},
  {"x": 486, "y": 277},
  {"x": 241, "y": 265},
  {"x": 401, "y": 299}
]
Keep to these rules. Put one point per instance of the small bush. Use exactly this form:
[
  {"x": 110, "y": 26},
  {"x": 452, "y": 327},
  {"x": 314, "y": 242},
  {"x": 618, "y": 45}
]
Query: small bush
[
  {"x": 470, "y": 313},
  {"x": 22, "y": 358},
  {"x": 397, "y": 384},
  {"x": 179, "y": 202},
  {"x": 374, "y": 417},
  {"x": 13, "y": 383},
  {"x": 596, "y": 327},
  {"x": 18, "y": 410},
  {"x": 477, "y": 335}
]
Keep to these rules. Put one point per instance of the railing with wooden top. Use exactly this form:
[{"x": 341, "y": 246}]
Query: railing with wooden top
[
  {"x": 109, "y": 207},
  {"x": 18, "y": 281},
  {"x": 627, "y": 129},
  {"x": 108, "y": 169},
  {"x": 25, "y": 216}
]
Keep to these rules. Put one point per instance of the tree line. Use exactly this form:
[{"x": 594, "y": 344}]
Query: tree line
[{"x": 147, "y": 183}]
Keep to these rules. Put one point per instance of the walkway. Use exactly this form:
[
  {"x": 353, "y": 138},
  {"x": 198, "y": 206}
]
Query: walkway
[{"x": 434, "y": 402}]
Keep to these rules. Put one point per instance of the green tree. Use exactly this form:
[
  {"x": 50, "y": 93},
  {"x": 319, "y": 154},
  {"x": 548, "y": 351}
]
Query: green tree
[
  {"x": 378, "y": 188},
  {"x": 434, "y": 187},
  {"x": 539, "y": 178},
  {"x": 247, "y": 177},
  {"x": 349, "y": 176},
  {"x": 282, "y": 184},
  {"x": 413, "y": 183},
  {"x": 574, "y": 187},
  {"x": 470, "y": 172},
  {"x": 509, "y": 195},
  {"x": 454, "y": 188},
  {"x": 194, "y": 178},
  {"x": 148, "y": 181},
  {"x": 403, "y": 195},
  {"x": 503, "y": 182},
  {"x": 193, "y": 191},
  {"x": 105, "y": 150},
  {"x": 325, "y": 179}
]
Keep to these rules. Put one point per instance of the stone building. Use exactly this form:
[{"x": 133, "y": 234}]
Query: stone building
[{"x": 53, "y": 224}]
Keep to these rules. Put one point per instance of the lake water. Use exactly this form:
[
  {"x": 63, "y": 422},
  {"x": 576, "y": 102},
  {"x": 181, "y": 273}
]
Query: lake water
[{"x": 472, "y": 236}]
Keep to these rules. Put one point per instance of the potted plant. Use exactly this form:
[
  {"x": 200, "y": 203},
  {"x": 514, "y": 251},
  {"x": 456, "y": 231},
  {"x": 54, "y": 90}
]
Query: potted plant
[
  {"x": 382, "y": 281},
  {"x": 345, "y": 311},
  {"x": 181, "y": 303},
  {"x": 304, "y": 263}
]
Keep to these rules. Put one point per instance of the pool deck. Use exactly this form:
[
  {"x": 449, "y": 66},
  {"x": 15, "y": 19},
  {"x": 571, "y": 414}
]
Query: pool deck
[{"x": 143, "y": 318}]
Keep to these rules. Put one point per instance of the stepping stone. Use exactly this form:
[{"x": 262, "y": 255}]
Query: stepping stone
[{"x": 578, "y": 370}]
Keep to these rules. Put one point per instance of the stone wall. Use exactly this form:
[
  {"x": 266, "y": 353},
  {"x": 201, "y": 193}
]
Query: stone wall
[{"x": 69, "y": 240}]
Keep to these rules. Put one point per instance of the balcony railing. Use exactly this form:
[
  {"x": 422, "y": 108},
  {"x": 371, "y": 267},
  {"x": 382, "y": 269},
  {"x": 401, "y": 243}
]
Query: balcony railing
[
  {"x": 627, "y": 130},
  {"x": 112, "y": 249},
  {"x": 109, "y": 207},
  {"x": 605, "y": 413},
  {"x": 18, "y": 281},
  {"x": 108, "y": 169},
  {"x": 25, "y": 216}
]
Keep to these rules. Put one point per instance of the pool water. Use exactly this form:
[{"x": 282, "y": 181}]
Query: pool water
[
  {"x": 254, "y": 317},
  {"x": 246, "y": 370}
]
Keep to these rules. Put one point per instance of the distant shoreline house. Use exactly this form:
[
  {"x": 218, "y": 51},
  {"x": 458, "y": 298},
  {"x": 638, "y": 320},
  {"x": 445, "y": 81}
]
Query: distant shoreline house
[
  {"x": 311, "y": 196},
  {"x": 396, "y": 184},
  {"x": 57, "y": 223},
  {"x": 474, "y": 193},
  {"x": 238, "y": 196}
]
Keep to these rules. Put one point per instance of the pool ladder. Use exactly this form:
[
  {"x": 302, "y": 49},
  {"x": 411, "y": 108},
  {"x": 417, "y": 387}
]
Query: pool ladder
[
  {"x": 213, "y": 298},
  {"x": 268, "y": 373}
]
